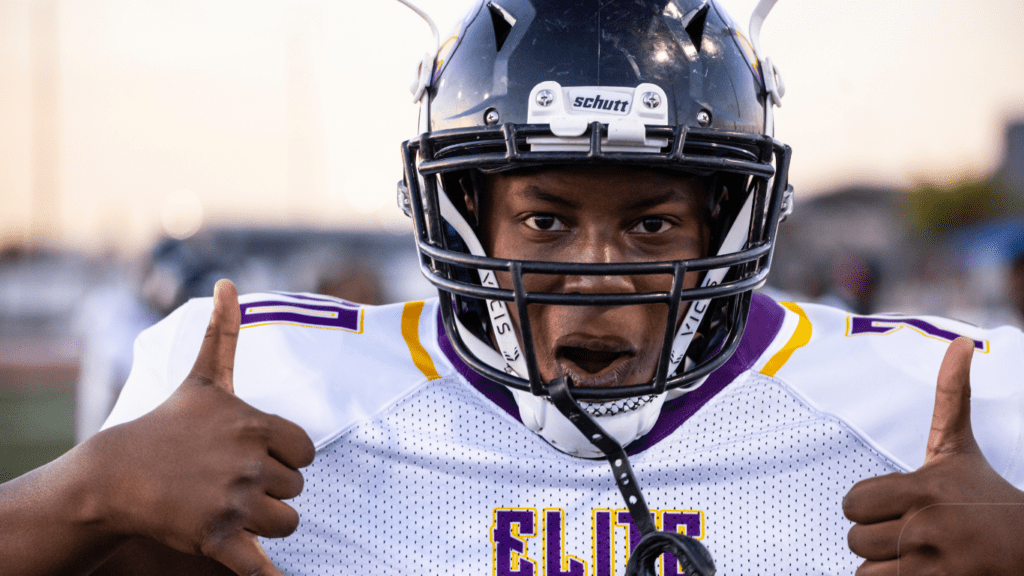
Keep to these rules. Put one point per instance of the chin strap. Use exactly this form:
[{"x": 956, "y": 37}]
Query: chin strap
[
  {"x": 511, "y": 359},
  {"x": 734, "y": 240},
  {"x": 693, "y": 556}
]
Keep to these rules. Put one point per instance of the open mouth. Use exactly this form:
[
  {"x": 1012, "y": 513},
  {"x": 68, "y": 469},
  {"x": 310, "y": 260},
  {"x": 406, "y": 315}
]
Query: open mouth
[
  {"x": 589, "y": 360},
  {"x": 596, "y": 362},
  {"x": 601, "y": 363}
]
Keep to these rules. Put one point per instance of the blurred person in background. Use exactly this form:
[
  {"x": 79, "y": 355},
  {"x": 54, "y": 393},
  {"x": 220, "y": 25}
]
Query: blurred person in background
[
  {"x": 111, "y": 319},
  {"x": 853, "y": 284},
  {"x": 355, "y": 280},
  {"x": 176, "y": 271},
  {"x": 1016, "y": 286}
]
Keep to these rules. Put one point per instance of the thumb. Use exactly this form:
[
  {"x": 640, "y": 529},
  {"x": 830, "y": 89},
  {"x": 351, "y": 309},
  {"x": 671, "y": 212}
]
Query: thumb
[
  {"x": 216, "y": 361},
  {"x": 244, "y": 556},
  {"x": 951, "y": 421}
]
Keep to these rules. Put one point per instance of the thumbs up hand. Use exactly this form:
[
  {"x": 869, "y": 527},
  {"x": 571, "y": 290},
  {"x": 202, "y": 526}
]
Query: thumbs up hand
[
  {"x": 955, "y": 514},
  {"x": 205, "y": 473}
]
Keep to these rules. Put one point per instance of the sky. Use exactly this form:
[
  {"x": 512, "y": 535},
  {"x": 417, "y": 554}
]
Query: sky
[{"x": 123, "y": 120}]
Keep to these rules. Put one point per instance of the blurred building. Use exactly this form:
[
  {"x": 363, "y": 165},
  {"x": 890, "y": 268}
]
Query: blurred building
[
  {"x": 1012, "y": 169},
  {"x": 935, "y": 250},
  {"x": 844, "y": 249}
]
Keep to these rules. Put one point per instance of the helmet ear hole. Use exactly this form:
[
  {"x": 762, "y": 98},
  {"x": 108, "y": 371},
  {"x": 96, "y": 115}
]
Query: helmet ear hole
[
  {"x": 728, "y": 192},
  {"x": 502, "y": 25},
  {"x": 695, "y": 28}
]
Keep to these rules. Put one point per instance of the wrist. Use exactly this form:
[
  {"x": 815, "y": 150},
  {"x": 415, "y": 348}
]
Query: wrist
[{"x": 94, "y": 482}]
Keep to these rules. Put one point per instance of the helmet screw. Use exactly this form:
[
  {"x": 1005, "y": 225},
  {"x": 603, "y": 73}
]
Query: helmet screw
[
  {"x": 704, "y": 118},
  {"x": 651, "y": 99},
  {"x": 491, "y": 116},
  {"x": 545, "y": 97}
]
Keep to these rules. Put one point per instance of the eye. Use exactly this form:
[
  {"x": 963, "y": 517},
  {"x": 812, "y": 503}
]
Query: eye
[
  {"x": 652, "y": 225},
  {"x": 544, "y": 223}
]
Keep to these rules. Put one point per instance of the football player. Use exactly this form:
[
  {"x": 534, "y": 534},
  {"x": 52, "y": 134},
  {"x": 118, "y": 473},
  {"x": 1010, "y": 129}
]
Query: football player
[{"x": 596, "y": 192}]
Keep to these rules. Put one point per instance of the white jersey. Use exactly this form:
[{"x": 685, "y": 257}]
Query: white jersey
[{"x": 423, "y": 466}]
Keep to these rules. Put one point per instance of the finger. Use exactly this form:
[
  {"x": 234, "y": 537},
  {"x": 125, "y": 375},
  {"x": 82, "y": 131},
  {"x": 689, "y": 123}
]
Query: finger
[
  {"x": 280, "y": 481},
  {"x": 216, "y": 361},
  {"x": 875, "y": 568},
  {"x": 244, "y": 555},
  {"x": 881, "y": 498},
  {"x": 905, "y": 566},
  {"x": 272, "y": 518},
  {"x": 289, "y": 443},
  {"x": 951, "y": 421},
  {"x": 876, "y": 541}
]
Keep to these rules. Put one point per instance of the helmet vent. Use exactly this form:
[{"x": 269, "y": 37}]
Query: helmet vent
[
  {"x": 695, "y": 27},
  {"x": 503, "y": 23}
]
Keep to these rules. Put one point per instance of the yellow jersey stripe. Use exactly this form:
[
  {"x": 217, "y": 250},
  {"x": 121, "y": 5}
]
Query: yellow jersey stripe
[
  {"x": 801, "y": 336},
  {"x": 411, "y": 332}
]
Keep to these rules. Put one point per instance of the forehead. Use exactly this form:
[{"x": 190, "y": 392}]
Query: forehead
[{"x": 597, "y": 186}]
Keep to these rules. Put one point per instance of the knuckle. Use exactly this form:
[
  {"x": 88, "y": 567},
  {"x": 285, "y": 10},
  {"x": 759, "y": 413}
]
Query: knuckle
[
  {"x": 933, "y": 487},
  {"x": 250, "y": 471},
  {"x": 253, "y": 426},
  {"x": 917, "y": 536}
]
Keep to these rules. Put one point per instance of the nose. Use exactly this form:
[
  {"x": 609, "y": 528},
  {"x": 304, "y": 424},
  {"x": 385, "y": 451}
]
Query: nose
[{"x": 597, "y": 248}]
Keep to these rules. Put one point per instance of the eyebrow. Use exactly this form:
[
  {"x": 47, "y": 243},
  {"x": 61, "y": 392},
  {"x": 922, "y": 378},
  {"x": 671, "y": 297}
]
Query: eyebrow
[
  {"x": 649, "y": 202},
  {"x": 537, "y": 193}
]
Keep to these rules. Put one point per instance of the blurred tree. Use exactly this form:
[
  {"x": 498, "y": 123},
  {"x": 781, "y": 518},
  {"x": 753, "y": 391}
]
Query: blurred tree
[{"x": 934, "y": 210}]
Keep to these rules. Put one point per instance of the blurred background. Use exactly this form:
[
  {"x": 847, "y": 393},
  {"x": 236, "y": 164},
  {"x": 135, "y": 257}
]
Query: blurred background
[{"x": 149, "y": 148}]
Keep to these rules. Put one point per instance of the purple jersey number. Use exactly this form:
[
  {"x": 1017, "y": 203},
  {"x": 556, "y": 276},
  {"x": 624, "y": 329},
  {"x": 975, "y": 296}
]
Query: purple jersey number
[
  {"x": 309, "y": 311},
  {"x": 884, "y": 325}
]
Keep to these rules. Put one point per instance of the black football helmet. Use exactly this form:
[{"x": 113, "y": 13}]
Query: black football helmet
[{"x": 666, "y": 84}]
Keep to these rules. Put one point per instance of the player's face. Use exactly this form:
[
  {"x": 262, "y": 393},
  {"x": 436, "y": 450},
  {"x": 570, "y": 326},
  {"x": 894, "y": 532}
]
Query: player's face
[{"x": 595, "y": 215}]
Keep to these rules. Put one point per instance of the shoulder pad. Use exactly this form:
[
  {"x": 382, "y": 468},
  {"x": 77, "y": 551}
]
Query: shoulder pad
[
  {"x": 878, "y": 374},
  {"x": 321, "y": 362}
]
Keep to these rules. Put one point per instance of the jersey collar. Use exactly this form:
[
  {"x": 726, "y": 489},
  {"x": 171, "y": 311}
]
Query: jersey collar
[{"x": 763, "y": 324}]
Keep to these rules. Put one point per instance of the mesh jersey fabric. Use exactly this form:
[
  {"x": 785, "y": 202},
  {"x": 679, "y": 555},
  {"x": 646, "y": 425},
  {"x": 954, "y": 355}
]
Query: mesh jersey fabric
[{"x": 420, "y": 469}]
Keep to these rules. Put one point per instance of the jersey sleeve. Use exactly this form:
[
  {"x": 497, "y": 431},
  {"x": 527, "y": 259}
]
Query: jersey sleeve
[
  {"x": 878, "y": 374},
  {"x": 321, "y": 362}
]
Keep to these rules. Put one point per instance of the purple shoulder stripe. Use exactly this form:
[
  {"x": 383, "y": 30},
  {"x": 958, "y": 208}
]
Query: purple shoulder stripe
[
  {"x": 494, "y": 392},
  {"x": 763, "y": 324}
]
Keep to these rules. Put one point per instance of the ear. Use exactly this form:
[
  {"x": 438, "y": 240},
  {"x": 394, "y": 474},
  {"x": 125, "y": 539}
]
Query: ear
[
  {"x": 469, "y": 197},
  {"x": 718, "y": 193}
]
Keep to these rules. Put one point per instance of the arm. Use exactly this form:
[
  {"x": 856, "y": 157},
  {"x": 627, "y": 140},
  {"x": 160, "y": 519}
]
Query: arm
[
  {"x": 204, "y": 474},
  {"x": 53, "y": 517}
]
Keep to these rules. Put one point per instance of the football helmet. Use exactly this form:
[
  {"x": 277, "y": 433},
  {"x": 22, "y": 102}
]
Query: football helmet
[{"x": 665, "y": 84}]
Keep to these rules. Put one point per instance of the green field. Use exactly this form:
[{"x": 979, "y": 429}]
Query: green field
[{"x": 35, "y": 428}]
